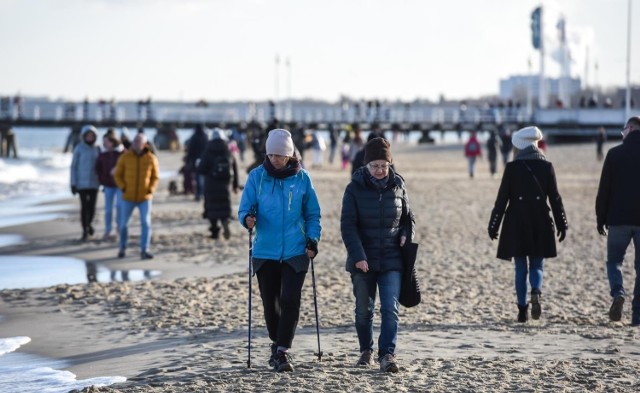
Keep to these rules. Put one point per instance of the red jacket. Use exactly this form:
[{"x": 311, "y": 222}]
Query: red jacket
[
  {"x": 105, "y": 163},
  {"x": 472, "y": 148}
]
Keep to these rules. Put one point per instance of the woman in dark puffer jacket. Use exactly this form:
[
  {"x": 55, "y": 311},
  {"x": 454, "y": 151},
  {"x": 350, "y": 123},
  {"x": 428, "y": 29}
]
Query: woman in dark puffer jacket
[{"x": 375, "y": 223}]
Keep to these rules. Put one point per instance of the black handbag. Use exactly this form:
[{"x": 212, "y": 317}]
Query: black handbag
[{"x": 410, "y": 288}]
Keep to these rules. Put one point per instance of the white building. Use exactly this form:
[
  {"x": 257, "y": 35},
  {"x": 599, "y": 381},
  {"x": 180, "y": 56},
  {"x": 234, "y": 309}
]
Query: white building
[{"x": 516, "y": 87}]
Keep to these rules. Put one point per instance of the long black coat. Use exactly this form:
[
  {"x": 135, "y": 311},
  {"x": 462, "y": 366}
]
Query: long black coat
[
  {"x": 618, "y": 200},
  {"x": 372, "y": 221},
  {"x": 528, "y": 229},
  {"x": 217, "y": 197}
]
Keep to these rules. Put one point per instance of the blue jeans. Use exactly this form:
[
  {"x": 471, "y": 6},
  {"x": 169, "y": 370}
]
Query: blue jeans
[
  {"x": 534, "y": 269},
  {"x": 199, "y": 186},
  {"x": 144, "y": 208},
  {"x": 617, "y": 242},
  {"x": 112, "y": 195},
  {"x": 364, "y": 289},
  {"x": 472, "y": 164}
]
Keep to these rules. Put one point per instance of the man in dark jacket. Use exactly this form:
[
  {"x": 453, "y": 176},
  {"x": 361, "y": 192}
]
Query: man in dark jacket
[
  {"x": 618, "y": 209},
  {"x": 195, "y": 149}
]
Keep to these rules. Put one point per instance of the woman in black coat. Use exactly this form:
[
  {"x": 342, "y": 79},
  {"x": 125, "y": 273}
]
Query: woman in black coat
[
  {"x": 219, "y": 169},
  {"x": 375, "y": 223},
  {"x": 528, "y": 230}
]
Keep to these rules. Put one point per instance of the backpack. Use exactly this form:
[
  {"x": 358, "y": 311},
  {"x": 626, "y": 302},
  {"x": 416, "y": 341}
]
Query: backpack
[
  {"x": 221, "y": 168},
  {"x": 473, "y": 147}
]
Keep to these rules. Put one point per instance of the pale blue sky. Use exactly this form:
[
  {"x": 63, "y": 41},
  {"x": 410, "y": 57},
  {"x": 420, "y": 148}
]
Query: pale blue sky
[{"x": 225, "y": 49}]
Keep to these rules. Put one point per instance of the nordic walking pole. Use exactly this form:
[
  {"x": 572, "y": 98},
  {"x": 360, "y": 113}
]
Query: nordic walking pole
[
  {"x": 315, "y": 303},
  {"x": 250, "y": 274}
]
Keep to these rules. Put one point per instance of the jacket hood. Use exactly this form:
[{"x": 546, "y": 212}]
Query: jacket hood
[
  {"x": 217, "y": 146},
  {"x": 88, "y": 128}
]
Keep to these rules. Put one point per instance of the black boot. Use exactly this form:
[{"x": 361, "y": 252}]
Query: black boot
[
  {"x": 536, "y": 308},
  {"x": 523, "y": 313}
]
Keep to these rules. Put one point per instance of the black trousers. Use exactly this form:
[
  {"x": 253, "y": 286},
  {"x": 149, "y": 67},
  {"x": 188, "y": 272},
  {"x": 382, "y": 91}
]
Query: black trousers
[
  {"x": 280, "y": 290},
  {"x": 88, "y": 200}
]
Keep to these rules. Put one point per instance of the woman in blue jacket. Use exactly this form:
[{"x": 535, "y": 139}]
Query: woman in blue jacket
[{"x": 280, "y": 203}]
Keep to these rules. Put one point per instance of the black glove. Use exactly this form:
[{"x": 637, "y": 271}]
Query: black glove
[
  {"x": 74, "y": 190},
  {"x": 561, "y": 234},
  {"x": 602, "y": 230},
  {"x": 313, "y": 246},
  {"x": 493, "y": 235}
]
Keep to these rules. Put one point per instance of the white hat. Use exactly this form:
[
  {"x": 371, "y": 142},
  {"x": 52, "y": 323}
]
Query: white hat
[
  {"x": 279, "y": 142},
  {"x": 525, "y": 137},
  {"x": 218, "y": 133}
]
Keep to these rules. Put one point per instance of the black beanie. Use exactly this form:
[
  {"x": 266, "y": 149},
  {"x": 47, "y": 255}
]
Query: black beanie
[{"x": 377, "y": 149}]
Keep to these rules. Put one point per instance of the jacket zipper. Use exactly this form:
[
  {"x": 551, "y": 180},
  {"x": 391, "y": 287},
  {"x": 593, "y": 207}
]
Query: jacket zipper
[
  {"x": 284, "y": 214},
  {"x": 137, "y": 175}
]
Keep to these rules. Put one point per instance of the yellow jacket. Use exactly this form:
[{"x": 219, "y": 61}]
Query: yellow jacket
[{"x": 137, "y": 175}]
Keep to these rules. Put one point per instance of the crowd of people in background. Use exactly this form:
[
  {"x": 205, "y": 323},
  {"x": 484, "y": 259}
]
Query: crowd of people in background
[{"x": 278, "y": 194}]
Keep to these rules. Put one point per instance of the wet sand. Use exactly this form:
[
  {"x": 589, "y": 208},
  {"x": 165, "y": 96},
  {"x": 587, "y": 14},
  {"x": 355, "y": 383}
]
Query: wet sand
[{"x": 186, "y": 331}]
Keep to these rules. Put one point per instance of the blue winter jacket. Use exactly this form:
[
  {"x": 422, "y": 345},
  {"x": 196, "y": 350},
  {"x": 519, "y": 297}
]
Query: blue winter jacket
[
  {"x": 287, "y": 213},
  {"x": 83, "y": 165}
]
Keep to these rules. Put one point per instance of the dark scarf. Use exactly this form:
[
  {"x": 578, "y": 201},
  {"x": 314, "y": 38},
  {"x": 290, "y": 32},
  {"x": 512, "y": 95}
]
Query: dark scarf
[
  {"x": 530, "y": 153},
  {"x": 379, "y": 184},
  {"x": 292, "y": 168}
]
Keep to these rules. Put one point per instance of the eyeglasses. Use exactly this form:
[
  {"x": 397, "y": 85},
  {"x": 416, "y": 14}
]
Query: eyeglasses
[{"x": 375, "y": 167}]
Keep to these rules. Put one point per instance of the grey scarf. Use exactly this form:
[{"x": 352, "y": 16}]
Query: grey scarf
[{"x": 530, "y": 153}]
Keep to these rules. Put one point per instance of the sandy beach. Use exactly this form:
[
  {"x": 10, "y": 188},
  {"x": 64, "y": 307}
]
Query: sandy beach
[{"x": 186, "y": 329}]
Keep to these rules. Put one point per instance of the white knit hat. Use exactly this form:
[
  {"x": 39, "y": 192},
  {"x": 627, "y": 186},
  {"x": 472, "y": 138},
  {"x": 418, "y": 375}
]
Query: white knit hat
[
  {"x": 279, "y": 142},
  {"x": 525, "y": 137}
]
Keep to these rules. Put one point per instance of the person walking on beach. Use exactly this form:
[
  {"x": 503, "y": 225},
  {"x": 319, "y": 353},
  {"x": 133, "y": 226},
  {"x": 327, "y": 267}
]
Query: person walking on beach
[
  {"x": 375, "y": 223},
  {"x": 528, "y": 231},
  {"x": 105, "y": 168},
  {"x": 472, "y": 150},
  {"x": 280, "y": 203},
  {"x": 506, "y": 146},
  {"x": 618, "y": 210},
  {"x": 136, "y": 175},
  {"x": 493, "y": 145},
  {"x": 197, "y": 144},
  {"x": 84, "y": 180},
  {"x": 601, "y": 138},
  {"x": 219, "y": 169}
]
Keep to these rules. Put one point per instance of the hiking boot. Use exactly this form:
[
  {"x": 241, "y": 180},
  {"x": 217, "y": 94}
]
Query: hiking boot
[
  {"x": 121, "y": 253},
  {"x": 225, "y": 230},
  {"x": 272, "y": 358},
  {"x": 282, "y": 362},
  {"x": 388, "y": 363},
  {"x": 615, "y": 312},
  {"x": 145, "y": 255},
  {"x": 523, "y": 313},
  {"x": 365, "y": 359},
  {"x": 536, "y": 309}
]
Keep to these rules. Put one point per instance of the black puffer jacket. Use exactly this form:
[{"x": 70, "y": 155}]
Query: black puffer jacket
[{"x": 372, "y": 221}]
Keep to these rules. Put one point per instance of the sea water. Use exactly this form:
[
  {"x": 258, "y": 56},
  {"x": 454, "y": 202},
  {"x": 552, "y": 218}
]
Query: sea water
[{"x": 25, "y": 373}]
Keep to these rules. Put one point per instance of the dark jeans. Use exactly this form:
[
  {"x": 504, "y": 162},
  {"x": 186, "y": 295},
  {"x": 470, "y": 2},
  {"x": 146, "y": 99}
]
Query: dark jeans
[
  {"x": 280, "y": 290},
  {"x": 88, "y": 200},
  {"x": 617, "y": 242},
  {"x": 364, "y": 289}
]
